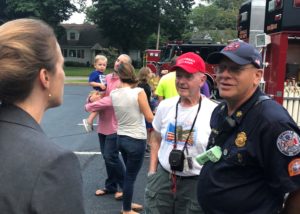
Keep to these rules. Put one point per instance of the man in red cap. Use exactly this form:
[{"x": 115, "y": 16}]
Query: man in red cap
[{"x": 181, "y": 131}]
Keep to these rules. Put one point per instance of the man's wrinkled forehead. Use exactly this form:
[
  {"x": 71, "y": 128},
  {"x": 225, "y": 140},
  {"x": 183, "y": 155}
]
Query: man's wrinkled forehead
[
  {"x": 123, "y": 59},
  {"x": 183, "y": 73},
  {"x": 226, "y": 60}
]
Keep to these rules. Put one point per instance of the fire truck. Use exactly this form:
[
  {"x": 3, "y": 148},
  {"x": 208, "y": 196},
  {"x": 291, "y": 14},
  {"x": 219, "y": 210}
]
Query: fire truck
[
  {"x": 151, "y": 58},
  {"x": 278, "y": 39},
  {"x": 176, "y": 48}
]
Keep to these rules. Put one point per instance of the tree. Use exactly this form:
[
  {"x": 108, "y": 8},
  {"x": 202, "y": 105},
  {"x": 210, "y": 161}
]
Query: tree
[
  {"x": 228, "y": 4},
  {"x": 129, "y": 23},
  {"x": 126, "y": 23},
  {"x": 218, "y": 20},
  {"x": 51, "y": 11},
  {"x": 173, "y": 17}
]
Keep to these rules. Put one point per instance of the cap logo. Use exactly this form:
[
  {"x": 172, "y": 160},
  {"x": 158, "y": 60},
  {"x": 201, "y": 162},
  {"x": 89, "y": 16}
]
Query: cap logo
[
  {"x": 257, "y": 62},
  {"x": 232, "y": 46},
  {"x": 188, "y": 61}
]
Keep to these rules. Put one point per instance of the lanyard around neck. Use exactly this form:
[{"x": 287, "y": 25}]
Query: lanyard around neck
[{"x": 175, "y": 131}]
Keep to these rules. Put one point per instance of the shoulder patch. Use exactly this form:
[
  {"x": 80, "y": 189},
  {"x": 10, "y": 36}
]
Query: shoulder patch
[
  {"x": 294, "y": 167},
  {"x": 288, "y": 143}
]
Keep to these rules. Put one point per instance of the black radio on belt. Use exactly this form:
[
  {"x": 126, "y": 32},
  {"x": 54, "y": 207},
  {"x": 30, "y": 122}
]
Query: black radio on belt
[{"x": 176, "y": 160}]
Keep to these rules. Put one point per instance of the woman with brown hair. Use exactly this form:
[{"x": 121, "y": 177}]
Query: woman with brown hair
[
  {"x": 131, "y": 108},
  {"x": 36, "y": 175},
  {"x": 144, "y": 77}
]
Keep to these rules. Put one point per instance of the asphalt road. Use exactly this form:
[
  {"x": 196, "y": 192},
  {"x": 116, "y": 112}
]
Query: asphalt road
[{"x": 64, "y": 126}]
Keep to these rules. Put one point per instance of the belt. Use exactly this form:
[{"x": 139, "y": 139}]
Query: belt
[
  {"x": 186, "y": 177},
  {"x": 179, "y": 176}
]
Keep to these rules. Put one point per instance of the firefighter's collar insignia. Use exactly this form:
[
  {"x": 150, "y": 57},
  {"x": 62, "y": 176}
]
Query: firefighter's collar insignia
[
  {"x": 288, "y": 143},
  {"x": 239, "y": 114},
  {"x": 215, "y": 131},
  {"x": 241, "y": 139},
  {"x": 222, "y": 107}
]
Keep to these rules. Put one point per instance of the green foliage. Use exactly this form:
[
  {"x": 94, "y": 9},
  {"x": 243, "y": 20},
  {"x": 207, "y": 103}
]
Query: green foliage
[
  {"x": 203, "y": 18},
  {"x": 77, "y": 71},
  {"x": 51, "y": 11},
  {"x": 111, "y": 54},
  {"x": 75, "y": 64},
  {"x": 228, "y": 4},
  {"x": 218, "y": 20},
  {"x": 127, "y": 23},
  {"x": 173, "y": 17}
]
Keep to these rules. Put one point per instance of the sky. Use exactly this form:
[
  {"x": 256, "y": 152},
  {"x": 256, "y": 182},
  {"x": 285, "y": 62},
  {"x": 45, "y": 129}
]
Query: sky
[{"x": 78, "y": 18}]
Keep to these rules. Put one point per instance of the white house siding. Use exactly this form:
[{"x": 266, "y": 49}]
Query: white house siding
[
  {"x": 135, "y": 55},
  {"x": 88, "y": 54}
]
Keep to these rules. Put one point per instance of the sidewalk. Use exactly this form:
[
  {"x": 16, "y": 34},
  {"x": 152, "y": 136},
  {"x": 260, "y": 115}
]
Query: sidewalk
[{"x": 78, "y": 80}]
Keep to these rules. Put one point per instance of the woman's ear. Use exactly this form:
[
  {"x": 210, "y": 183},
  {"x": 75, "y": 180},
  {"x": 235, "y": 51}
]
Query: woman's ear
[{"x": 44, "y": 78}]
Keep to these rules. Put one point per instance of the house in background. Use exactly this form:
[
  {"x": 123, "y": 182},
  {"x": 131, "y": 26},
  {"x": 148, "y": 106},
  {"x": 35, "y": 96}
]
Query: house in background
[{"x": 82, "y": 42}]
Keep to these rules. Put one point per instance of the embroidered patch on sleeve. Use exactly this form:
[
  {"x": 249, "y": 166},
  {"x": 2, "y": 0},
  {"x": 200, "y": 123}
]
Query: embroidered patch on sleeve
[
  {"x": 294, "y": 167},
  {"x": 288, "y": 143}
]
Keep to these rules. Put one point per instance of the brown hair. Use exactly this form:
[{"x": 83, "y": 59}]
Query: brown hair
[
  {"x": 26, "y": 46},
  {"x": 126, "y": 73},
  {"x": 144, "y": 74}
]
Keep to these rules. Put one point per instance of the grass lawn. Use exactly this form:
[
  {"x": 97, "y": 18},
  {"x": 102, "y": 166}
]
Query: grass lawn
[{"x": 79, "y": 71}]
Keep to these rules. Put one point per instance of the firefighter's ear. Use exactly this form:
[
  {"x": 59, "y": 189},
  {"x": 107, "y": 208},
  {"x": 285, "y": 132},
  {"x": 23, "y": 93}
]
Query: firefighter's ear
[{"x": 258, "y": 74}]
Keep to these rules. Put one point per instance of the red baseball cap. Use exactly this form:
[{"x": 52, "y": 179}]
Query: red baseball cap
[{"x": 190, "y": 62}]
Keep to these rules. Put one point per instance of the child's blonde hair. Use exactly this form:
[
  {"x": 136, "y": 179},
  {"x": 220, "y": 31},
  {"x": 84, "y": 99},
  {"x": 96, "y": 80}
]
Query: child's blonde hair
[{"x": 100, "y": 57}]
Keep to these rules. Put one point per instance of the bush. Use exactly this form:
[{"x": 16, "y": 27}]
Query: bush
[
  {"x": 75, "y": 64},
  {"x": 137, "y": 64}
]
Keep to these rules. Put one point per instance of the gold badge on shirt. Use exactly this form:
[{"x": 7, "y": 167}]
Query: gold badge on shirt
[
  {"x": 239, "y": 114},
  {"x": 241, "y": 139}
]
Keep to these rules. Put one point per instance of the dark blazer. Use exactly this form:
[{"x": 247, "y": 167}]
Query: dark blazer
[{"x": 36, "y": 176}]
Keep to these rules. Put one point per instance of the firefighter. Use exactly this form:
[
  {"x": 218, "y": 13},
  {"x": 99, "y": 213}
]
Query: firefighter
[{"x": 259, "y": 143}]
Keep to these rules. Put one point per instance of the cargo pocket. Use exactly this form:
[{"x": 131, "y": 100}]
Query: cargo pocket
[
  {"x": 194, "y": 208},
  {"x": 150, "y": 198}
]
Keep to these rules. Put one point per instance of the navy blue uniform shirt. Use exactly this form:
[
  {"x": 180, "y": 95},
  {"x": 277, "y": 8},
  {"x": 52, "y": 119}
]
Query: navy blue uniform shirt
[{"x": 260, "y": 160}]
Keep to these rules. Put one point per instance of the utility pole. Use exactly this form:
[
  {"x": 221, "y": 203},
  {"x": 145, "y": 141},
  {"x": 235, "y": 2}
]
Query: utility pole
[{"x": 158, "y": 35}]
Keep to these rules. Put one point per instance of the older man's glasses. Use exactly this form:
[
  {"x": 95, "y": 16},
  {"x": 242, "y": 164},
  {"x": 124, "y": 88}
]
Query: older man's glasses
[{"x": 231, "y": 68}]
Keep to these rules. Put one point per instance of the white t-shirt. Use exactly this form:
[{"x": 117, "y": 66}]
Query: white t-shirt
[
  {"x": 164, "y": 123},
  {"x": 131, "y": 121}
]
